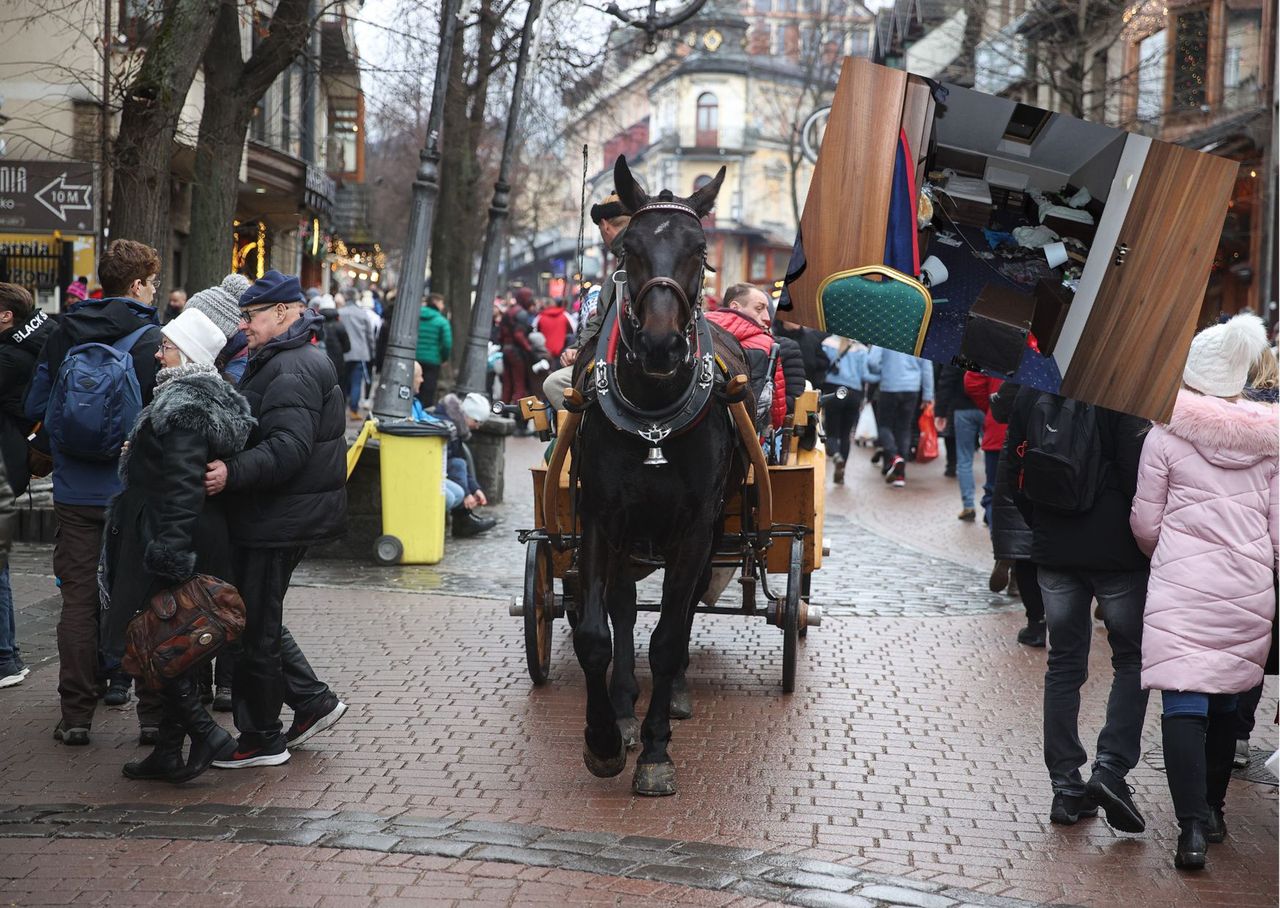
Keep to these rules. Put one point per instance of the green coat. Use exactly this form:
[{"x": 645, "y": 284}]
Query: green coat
[{"x": 435, "y": 337}]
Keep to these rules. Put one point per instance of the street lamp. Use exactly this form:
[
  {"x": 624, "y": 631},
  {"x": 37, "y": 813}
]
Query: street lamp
[
  {"x": 475, "y": 357},
  {"x": 652, "y": 23},
  {"x": 393, "y": 398}
]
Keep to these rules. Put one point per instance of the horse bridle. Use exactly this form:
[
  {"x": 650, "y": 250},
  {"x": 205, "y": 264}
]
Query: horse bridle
[{"x": 627, "y": 305}]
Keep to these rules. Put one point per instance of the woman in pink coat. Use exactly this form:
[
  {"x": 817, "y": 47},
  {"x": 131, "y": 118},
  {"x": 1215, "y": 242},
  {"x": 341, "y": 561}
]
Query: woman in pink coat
[{"x": 1206, "y": 513}]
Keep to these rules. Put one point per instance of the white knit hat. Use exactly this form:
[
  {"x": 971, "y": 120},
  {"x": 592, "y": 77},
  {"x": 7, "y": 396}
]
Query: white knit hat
[
  {"x": 196, "y": 336},
  {"x": 476, "y": 406},
  {"x": 222, "y": 303},
  {"x": 1220, "y": 357}
]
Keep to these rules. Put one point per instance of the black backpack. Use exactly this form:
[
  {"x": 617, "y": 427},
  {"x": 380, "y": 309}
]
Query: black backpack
[{"x": 1062, "y": 464}]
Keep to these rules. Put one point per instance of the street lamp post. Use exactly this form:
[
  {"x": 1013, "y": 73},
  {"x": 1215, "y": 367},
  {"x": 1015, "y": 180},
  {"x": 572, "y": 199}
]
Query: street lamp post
[
  {"x": 474, "y": 359},
  {"x": 393, "y": 398}
]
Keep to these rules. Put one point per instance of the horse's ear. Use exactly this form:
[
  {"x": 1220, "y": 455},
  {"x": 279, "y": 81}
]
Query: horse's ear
[
  {"x": 629, "y": 191},
  {"x": 704, "y": 199}
]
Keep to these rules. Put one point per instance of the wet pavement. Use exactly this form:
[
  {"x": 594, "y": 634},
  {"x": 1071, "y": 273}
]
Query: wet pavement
[{"x": 904, "y": 770}]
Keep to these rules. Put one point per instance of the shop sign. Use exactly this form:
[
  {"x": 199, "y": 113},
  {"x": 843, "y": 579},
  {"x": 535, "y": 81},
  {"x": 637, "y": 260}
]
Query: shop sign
[
  {"x": 320, "y": 190},
  {"x": 46, "y": 195}
]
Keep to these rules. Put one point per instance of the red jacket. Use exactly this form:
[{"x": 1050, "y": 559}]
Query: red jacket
[
  {"x": 980, "y": 387},
  {"x": 756, "y": 343},
  {"x": 554, "y": 326}
]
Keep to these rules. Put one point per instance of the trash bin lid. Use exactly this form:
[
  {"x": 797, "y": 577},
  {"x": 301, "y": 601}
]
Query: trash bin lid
[{"x": 410, "y": 429}]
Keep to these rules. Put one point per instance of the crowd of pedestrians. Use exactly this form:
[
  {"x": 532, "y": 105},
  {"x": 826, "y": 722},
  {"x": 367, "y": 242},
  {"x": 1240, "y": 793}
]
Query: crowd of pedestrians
[{"x": 212, "y": 445}]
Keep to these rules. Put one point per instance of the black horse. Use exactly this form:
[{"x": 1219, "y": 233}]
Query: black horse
[{"x": 643, "y": 490}]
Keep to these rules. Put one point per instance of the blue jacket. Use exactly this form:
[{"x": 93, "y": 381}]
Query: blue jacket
[
  {"x": 91, "y": 482},
  {"x": 898, "y": 372},
  {"x": 848, "y": 369}
]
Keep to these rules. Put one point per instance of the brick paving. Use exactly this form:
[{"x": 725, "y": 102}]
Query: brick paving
[{"x": 910, "y": 750}]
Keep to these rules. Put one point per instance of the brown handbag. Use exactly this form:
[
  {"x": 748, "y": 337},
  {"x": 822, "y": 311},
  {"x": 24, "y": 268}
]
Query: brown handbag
[{"x": 182, "y": 628}]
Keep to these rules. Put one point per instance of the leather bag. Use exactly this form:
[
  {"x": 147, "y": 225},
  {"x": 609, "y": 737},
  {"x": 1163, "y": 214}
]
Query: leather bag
[{"x": 182, "y": 628}]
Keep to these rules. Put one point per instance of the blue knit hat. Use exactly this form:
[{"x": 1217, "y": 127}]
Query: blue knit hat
[{"x": 273, "y": 287}]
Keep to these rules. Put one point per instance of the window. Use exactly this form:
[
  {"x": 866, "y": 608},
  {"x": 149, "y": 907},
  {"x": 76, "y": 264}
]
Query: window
[
  {"x": 344, "y": 140},
  {"x": 1242, "y": 60},
  {"x": 777, "y": 40},
  {"x": 1025, "y": 123},
  {"x": 1231, "y": 68},
  {"x": 1190, "y": 60},
  {"x": 1151, "y": 60},
  {"x": 708, "y": 121}
]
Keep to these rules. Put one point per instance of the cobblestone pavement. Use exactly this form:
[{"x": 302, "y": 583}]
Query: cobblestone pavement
[{"x": 910, "y": 751}]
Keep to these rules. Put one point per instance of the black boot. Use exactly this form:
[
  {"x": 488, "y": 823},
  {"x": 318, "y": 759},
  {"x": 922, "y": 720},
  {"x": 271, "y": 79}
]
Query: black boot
[
  {"x": 1219, "y": 753},
  {"x": 209, "y": 740},
  {"x": 1184, "y": 763},
  {"x": 166, "y": 759},
  {"x": 466, "y": 523}
]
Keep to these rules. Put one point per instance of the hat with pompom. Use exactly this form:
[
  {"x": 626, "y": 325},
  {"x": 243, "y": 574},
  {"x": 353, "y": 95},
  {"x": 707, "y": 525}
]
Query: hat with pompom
[
  {"x": 222, "y": 303},
  {"x": 1219, "y": 360}
]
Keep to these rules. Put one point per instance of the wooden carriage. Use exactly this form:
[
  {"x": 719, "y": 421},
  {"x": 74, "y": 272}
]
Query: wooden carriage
[{"x": 791, "y": 501}]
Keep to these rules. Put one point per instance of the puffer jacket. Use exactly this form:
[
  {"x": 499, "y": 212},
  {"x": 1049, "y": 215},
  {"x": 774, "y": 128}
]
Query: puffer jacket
[
  {"x": 161, "y": 527},
  {"x": 1206, "y": 512},
  {"x": 290, "y": 483},
  {"x": 1010, "y": 535},
  {"x": 756, "y": 344},
  {"x": 19, "y": 349},
  {"x": 435, "y": 336}
]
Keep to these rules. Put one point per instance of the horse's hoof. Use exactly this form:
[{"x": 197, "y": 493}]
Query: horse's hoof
[
  {"x": 681, "y": 702},
  {"x": 654, "y": 780},
  {"x": 606, "y": 767},
  {"x": 630, "y": 731}
]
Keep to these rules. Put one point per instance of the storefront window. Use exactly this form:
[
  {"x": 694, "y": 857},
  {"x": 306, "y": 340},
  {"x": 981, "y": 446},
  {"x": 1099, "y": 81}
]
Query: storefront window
[{"x": 1190, "y": 60}]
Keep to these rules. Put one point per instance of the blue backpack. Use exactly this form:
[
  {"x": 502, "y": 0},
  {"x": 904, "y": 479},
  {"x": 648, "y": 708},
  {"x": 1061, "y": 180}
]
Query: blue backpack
[{"x": 95, "y": 399}]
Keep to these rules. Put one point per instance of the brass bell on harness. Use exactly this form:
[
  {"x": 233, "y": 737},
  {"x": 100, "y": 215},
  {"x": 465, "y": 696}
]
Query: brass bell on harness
[{"x": 655, "y": 458}]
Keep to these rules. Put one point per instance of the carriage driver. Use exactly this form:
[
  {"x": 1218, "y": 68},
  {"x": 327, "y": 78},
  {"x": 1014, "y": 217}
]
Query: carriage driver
[{"x": 612, "y": 219}]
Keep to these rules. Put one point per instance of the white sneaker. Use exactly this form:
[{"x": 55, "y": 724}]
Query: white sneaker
[
  {"x": 1240, "y": 762},
  {"x": 14, "y": 679}
]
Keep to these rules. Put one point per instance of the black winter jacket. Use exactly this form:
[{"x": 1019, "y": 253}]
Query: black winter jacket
[
  {"x": 1010, "y": 535},
  {"x": 1099, "y": 539},
  {"x": 816, "y": 361},
  {"x": 290, "y": 483},
  {"x": 160, "y": 528},
  {"x": 950, "y": 395},
  {"x": 793, "y": 370},
  {"x": 19, "y": 350},
  {"x": 336, "y": 341}
]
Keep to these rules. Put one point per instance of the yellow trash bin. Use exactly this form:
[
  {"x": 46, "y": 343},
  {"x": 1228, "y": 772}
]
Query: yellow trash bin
[{"x": 413, "y": 473}]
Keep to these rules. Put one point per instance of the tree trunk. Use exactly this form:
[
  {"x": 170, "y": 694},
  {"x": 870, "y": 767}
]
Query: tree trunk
[
  {"x": 233, "y": 89},
  {"x": 149, "y": 123}
]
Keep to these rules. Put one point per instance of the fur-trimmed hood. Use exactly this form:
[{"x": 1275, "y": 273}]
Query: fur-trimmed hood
[
  {"x": 1231, "y": 435},
  {"x": 452, "y": 406},
  {"x": 201, "y": 402}
]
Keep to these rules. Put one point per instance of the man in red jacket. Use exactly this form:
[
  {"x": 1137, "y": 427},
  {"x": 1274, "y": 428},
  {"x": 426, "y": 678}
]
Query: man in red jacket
[
  {"x": 980, "y": 387},
  {"x": 556, "y": 329},
  {"x": 746, "y": 316}
]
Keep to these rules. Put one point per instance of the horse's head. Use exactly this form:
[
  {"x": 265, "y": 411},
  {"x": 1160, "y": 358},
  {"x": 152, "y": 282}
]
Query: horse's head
[{"x": 665, "y": 253}]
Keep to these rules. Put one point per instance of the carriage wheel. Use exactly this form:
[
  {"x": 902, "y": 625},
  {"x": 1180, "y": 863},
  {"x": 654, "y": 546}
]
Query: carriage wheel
[
  {"x": 539, "y": 609},
  {"x": 805, "y": 591},
  {"x": 791, "y": 616}
]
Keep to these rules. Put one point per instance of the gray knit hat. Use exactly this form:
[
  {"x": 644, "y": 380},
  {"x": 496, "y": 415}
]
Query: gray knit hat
[{"x": 222, "y": 303}]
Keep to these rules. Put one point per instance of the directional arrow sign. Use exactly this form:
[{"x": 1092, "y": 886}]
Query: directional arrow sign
[{"x": 60, "y": 197}]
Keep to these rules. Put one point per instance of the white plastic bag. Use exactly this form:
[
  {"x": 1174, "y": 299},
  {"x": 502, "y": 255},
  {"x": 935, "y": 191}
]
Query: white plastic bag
[{"x": 866, "y": 430}]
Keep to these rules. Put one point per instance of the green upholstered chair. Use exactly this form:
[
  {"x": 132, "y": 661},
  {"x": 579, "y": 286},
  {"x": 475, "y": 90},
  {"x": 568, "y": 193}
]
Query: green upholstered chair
[{"x": 876, "y": 305}]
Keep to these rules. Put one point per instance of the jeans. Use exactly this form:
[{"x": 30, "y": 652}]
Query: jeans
[
  {"x": 968, "y": 426},
  {"x": 453, "y": 494},
  {"x": 75, "y": 562},
  {"x": 355, "y": 386},
  {"x": 9, "y": 657},
  {"x": 896, "y": 414},
  {"x": 1067, "y": 596},
  {"x": 1191, "y": 703},
  {"x": 270, "y": 668},
  {"x": 839, "y": 419},
  {"x": 991, "y": 461}
]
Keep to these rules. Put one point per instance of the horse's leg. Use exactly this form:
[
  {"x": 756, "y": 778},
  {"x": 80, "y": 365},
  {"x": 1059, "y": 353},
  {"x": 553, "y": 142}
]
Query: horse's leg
[
  {"x": 686, "y": 577},
  {"x": 681, "y": 696},
  {"x": 623, "y": 689},
  {"x": 604, "y": 753}
]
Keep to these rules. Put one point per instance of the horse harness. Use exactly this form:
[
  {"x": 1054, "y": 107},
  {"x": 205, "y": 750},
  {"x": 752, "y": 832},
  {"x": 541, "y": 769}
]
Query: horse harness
[{"x": 708, "y": 379}]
